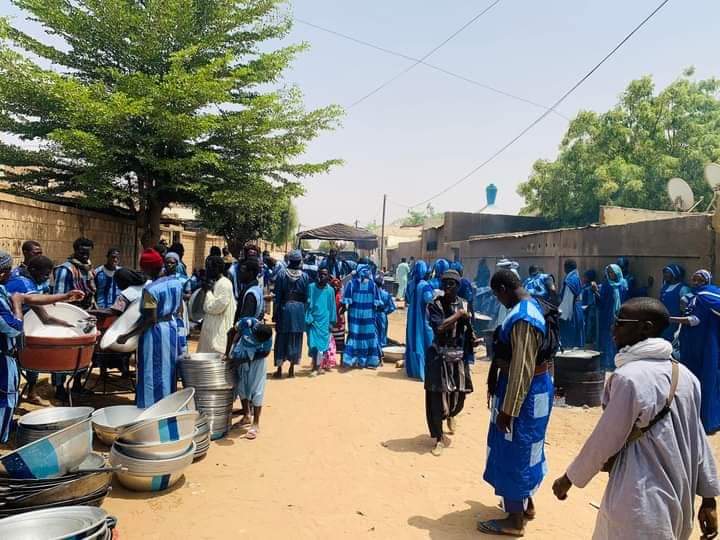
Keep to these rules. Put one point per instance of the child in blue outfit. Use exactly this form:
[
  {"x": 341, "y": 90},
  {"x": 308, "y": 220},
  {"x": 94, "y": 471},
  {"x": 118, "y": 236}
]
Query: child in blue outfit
[{"x": 249, "y": 349}]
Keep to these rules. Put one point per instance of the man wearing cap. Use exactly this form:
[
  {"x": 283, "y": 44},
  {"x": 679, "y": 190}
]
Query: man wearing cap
[
  {"x": 158, "y": 345},
  {"x": 447, "y": 360},
  {"x": 289, "y": 313}
]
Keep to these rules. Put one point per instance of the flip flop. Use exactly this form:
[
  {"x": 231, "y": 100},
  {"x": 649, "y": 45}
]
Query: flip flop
[
  {"x": 493, "y": 527},
  {"x": 251, "y": 434}
]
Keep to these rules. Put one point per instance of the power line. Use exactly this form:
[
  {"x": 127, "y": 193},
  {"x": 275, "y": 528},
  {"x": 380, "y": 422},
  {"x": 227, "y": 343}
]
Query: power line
[
  {"x": 425, "y": 57},
  {"x": 431, "y": 66},
  {"x": 546, "y": 113}
]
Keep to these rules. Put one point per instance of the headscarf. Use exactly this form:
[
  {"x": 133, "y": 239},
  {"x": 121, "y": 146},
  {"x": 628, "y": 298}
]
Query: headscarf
[
  {"x": 172, "y": 255},
  {"x": 440, "y": 267},
  {"x": 5, "y": 261},
  {"x": 364, "y": 271},
  {"x": 151, "y": 260},
  {"x": 379, "y": 280},
  {"x": 615, "y": 284},
  {"x": 457, "y": 266},
  {"x": 295, "y": 256},
  {"x": 419, "y": 272},
  {"x": 676, "y": 270},
  {"x": 705, "y": 275}
]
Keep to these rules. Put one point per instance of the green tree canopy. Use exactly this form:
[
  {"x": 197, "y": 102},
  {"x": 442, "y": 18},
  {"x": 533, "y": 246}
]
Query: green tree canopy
[
  {"x": 152, "y": 102},
  {"x": 626, "y": 156}
]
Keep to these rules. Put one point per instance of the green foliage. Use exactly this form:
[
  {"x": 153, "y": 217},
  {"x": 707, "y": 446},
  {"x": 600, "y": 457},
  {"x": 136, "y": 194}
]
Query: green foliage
[
  {"x": 626, "y": 156},
  {"x": 416, "y": 218},
  {"x": 153, "y": 102},
  {"x": 286, "y": 227}
]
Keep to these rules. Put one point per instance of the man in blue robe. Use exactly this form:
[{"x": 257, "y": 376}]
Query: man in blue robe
[
  {"x": 335, "y": 266},
  {"x": 418, "y": 335},
  {"x": 291, "y": 286},
  {"x": 107, "y": 290},
  {"x": 521, "y": 391},
  {"x": 572, "y": 323}
]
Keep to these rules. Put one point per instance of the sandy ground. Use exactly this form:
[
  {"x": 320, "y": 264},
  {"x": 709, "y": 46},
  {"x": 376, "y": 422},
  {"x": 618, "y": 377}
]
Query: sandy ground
[{"x": 347, "y": 455}]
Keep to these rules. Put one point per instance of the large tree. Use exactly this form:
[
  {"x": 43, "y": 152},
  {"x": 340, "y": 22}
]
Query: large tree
[
  {"x": 626, "y": 156},
  {"x": 153, "y": 102}
]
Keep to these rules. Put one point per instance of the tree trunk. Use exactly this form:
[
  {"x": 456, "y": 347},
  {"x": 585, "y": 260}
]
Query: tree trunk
[{"x": 153, "y": 213}]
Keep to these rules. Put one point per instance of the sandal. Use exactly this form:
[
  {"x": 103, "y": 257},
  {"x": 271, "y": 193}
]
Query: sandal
[
  {"x": 493, "y": 527},
  {"x": 252, "y": 433}
]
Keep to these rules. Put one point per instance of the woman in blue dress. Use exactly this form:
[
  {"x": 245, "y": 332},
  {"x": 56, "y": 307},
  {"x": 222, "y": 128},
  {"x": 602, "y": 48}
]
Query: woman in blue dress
[
  {"x": 572, "y": 321},
  {"x": 320, "y": 317},
  {"x": 362, "y": 300},
  {"x": 609, "y": 296},
  {"x": 700, "y": 345},
  {"x": 175, "y": 269},
  {"x": 157, "y": 349},
  {"x": 419, "y": 334},
  {"x": 673, "y": 289}
]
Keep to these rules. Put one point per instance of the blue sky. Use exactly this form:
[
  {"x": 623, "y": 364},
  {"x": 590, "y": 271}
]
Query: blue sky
[{"x": 426, "y": 130}]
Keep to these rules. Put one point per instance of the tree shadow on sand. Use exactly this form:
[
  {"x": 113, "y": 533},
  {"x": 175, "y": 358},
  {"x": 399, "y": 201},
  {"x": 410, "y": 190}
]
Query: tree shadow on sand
[
  {"x": 458, "y": 524},
  {"x": 421, "y": 444}
]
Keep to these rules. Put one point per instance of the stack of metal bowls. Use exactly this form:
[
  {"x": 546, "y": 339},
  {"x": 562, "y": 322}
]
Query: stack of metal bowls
[
  {"x": 214, "y": 383},
  {"x": 202, "y": 436},
  {"x": 41, "y": 423},
  {"x": 52, "y": 456},
  {"x": 110, "y": 421},
  {"x": 73, "y": 522},
  {"x": 157, "y": 447},
  {"x": 89, "y": 485}
]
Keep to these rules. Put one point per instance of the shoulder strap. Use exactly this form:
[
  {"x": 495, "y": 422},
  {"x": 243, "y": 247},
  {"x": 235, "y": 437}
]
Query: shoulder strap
[{"x": 636, "y": 433}]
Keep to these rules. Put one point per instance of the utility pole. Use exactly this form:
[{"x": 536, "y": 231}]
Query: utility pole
[{"x": 382, "y": 233}]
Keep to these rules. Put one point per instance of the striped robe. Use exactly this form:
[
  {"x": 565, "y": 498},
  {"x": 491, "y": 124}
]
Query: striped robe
[
  {"x": 361, "y": 297},
  {"x": 158, "y": 346}
]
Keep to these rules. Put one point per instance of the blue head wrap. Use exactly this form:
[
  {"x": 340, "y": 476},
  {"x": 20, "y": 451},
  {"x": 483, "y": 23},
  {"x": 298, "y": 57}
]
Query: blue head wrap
[
  {"x": 615, "y": 284},
  {"x": 457, "y": 266},
  {"x": 705, "y": 275},
  {"x": 420, "y": 271},
  {"x": 440, "y": 267},
  {"x": 676, "y": 270}
]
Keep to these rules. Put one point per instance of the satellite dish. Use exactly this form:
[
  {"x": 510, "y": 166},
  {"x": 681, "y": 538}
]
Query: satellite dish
[
  {"x": 680, "y": 194},
  {"x": 712, "y": 175}
]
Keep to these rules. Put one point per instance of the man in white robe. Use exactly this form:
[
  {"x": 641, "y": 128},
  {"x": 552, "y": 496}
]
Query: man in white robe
[
  {"x": 219, "y": 308},
  {"x": 655, "y": 478}
]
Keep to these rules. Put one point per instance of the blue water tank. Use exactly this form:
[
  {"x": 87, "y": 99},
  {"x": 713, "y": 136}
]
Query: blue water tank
[{"x": 491, "y": 194}]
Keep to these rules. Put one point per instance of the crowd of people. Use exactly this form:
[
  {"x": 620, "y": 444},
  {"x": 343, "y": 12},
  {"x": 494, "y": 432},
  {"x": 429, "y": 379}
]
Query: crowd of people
[
  {"x": 660, "y": 402},
  {"x": 310, "y": 297},
  {"x": 652, "y": 435}
]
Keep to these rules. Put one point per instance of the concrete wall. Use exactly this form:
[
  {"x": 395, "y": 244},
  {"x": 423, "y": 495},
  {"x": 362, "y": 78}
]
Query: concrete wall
[
  {"x": 458, "y": 226},
  {"x": 404, "y": 249},
  {"x": 56, "y": 227},
  {"x": 617, "y": 215},
  {"x": 688, "y": 240}
]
